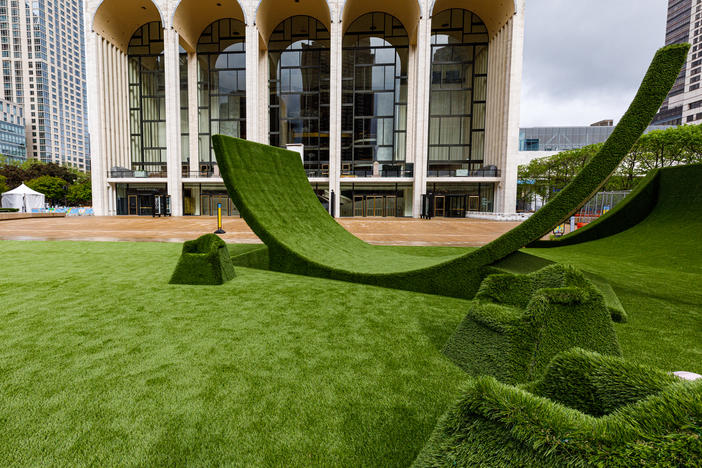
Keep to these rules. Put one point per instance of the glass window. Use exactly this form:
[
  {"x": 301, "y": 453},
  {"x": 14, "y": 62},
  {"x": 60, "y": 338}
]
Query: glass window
[
  {"x": 458, "y": 91},
  {"x": 221, "y": 54},
  {"x": 374, "y": 102},
  {"x": 298, "y": 54},
  {"x": 147, "y": 98}
]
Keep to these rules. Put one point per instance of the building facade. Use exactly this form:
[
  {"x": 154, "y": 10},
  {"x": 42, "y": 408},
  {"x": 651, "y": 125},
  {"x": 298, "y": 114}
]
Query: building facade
[
  {"x": 557, "y": 139},
  {"x": 43, "y": 69},
  {"x": 13, "y": 133},
  {"x": 386, "y": 100}
]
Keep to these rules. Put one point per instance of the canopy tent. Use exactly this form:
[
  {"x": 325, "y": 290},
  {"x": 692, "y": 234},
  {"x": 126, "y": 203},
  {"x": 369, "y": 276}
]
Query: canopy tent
[{"x": 23, "y": 198}]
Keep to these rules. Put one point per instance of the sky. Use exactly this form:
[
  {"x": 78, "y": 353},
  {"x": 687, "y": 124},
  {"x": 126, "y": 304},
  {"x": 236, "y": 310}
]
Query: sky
[{"x": 584, "y": 60}]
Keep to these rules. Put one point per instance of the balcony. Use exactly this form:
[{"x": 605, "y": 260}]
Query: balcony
[{"x": 487, "y": 171}]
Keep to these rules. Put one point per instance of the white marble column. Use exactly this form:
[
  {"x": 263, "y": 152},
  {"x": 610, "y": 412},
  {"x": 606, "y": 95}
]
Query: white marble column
[
  {"x": 421, "y": 120},
  {"x": 172, "y": 70},
  {"x": 335, "y": 94},
  {"x": 253, "y": 104},
  {"x": 193, "y": 114},
  {"x": 97, "y": 162}
]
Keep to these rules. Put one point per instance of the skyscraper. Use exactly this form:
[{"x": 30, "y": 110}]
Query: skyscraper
[
  {"x": 43, "y": 70},
  {"x": 684, "y": 102}
]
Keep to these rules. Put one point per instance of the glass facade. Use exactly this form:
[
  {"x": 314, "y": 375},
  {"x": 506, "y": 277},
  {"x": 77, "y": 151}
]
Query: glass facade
[
  {"x": 459, "y": 74},
  {"x": 221, "y": 55},
  {"x": 374, "y": 96},
  {"x": 147, "y": 99},
  {"x": 566, "y": 138},
  {"x": 298, "y": 53}
]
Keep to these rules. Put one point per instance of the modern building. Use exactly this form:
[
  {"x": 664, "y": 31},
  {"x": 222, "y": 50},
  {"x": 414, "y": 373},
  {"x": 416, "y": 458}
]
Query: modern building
[
  {"x": 43, "y": 69},
  {"x": 13, "y": 133},
  {"x": 389, "y": 99},
  {"x": 557, "y": 139},
  {"x": 684, "y": 102}
]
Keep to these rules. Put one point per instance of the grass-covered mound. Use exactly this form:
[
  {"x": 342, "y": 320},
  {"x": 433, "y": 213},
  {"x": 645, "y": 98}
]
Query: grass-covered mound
[
  {"x": 672, "y": 192},
  {"x": 518, "y": 323},
  {"x": 588, "y": 410},
  {"x": 204, "y": 261},
  {"x": 271, "y": 190}
]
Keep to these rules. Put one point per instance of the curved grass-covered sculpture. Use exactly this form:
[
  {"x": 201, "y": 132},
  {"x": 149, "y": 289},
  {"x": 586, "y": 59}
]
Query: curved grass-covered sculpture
[
  {"x": 271, "y": 190},
  {"x": 587, "y": 410},
  {"x": 671, "y": 194}
]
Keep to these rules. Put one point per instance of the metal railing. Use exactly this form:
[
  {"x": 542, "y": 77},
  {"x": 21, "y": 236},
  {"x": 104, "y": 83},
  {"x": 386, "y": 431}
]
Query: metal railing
[{"x": 488, "y": 172}]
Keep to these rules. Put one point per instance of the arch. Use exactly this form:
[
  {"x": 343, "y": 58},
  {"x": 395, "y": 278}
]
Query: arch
[
  {"x": 408, "y": 13},
  {"x": 270, "y": 13},
  {"x": 494, "y": 13},
  {"x": 192, "y": 17},
  {"x": 118, "y": 20}
]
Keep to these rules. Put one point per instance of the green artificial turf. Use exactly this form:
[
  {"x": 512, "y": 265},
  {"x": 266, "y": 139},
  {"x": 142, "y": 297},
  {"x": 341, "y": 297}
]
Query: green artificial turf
[
  {"x": 271, "y": 190},
  {"x": 204, "y": 261},
  {"x": 104, "y": 363}
]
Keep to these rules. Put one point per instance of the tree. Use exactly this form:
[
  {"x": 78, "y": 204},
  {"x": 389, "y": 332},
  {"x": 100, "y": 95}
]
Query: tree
[
  {"x": 3, "y": 185},
  {"x": 80, "y": 194},
  {"x": 52, "y": 187}
]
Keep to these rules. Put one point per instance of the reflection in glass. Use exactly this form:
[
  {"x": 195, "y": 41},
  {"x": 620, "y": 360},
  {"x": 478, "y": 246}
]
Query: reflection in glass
[
  {"x": 374, "y": 99},
  {"x": 458, "y": 91},
  {"x": 147, "y": 98},
  {"x": 298, "y": 53},
  {"x": 221, "y": 57}
]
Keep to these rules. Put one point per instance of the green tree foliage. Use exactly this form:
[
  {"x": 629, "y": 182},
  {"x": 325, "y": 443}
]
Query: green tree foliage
[
  {"x": 80, "y": 194},
  {"x": 654, "y": 150},
  {"x": 79, "y": 191},
  {"x": 54, "y": 188},
  {"x": 3, "y": 184}
]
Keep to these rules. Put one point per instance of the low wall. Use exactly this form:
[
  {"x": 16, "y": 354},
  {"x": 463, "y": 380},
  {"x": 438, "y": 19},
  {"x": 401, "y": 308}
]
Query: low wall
[{"x": 11, "y": 216}]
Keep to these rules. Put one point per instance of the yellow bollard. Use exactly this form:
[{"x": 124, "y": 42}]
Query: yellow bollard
[{"x": 219, "y": 220}]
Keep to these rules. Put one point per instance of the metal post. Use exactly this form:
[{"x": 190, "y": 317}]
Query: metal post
[
  {"x": 332, "y": 204},
  {"x": 219, "y": 220}
]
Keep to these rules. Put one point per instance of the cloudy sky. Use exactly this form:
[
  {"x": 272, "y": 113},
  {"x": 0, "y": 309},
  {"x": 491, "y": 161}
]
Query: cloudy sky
[{"x": 584, "y": 60}]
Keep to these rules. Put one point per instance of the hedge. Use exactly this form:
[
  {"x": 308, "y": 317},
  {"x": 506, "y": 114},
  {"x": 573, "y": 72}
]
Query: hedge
[
  {"x": 271, "y": 190},
  {"x": 204, "y": 261},
  {"x": 588, "y": 410},
  {"x": 518, "y": 323},
  {"x": 658, "y": 191},
  {"x": 9, "y": 210}
]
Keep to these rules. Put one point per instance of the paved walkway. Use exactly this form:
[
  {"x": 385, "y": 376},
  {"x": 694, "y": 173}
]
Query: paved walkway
[{"x": 394, "y": 231}]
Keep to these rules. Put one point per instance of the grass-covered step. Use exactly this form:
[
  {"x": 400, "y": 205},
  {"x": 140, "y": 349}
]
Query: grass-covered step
[
  {"x": 204, "y": 261},
  {"x": 587, "y": 410},
  {"x": 270, "y": 187},
  {"x": 518, "y": 323}
]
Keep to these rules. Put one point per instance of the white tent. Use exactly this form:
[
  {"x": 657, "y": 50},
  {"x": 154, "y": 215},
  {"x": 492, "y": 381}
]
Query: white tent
[{"x": 23, "y": 198}]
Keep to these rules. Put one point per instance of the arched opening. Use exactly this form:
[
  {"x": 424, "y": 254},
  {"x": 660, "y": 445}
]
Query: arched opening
[
  {"x": 221, "y": 52},
  {"x": 374, "y": 93},
  {"x": 147, "y": 98},
  {"x": 191, "y": 17},
  {"x": 117, "y": 20},
  {"x": 493, "y": 13},
  {"x": 459, "y": 81},
  {"x": 271, "y": 13},
  {"x": 298, "y": 52},
  {"x": 406, "y": 12}
]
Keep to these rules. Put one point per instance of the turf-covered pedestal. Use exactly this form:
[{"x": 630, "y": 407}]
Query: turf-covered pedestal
[
  {"x": 204, "y": 261},
  {"x": 518, "y": 323}
]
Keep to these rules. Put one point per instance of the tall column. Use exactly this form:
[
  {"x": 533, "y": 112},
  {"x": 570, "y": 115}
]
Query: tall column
[
  {"x": 94, "y": 84},
  {"x": 193, "y": 114},
  {"x": 335, "y": 93},
  {"x": 172, "y": 70},
  {"x": 421, "y": 138},
  {"x": 253, "y": 106}
]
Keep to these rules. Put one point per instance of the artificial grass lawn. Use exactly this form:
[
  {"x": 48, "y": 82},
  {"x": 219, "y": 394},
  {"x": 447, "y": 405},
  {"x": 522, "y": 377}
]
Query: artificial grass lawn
[{"x": 102, "y": 362}]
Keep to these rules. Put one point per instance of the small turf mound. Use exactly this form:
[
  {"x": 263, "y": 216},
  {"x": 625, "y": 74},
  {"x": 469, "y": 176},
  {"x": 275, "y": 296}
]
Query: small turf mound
[
  {"x": 519, "y": 322},
  {"x": 588, "y": 410},
  {"x": 204, "y": 261}
]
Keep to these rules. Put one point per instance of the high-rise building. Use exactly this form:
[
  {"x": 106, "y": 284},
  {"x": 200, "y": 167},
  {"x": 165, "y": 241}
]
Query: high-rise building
[
  {"x": 43, "y": 70},
  {"x": 684, "y": 102},
  {"x": 387, "y": 100}
]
